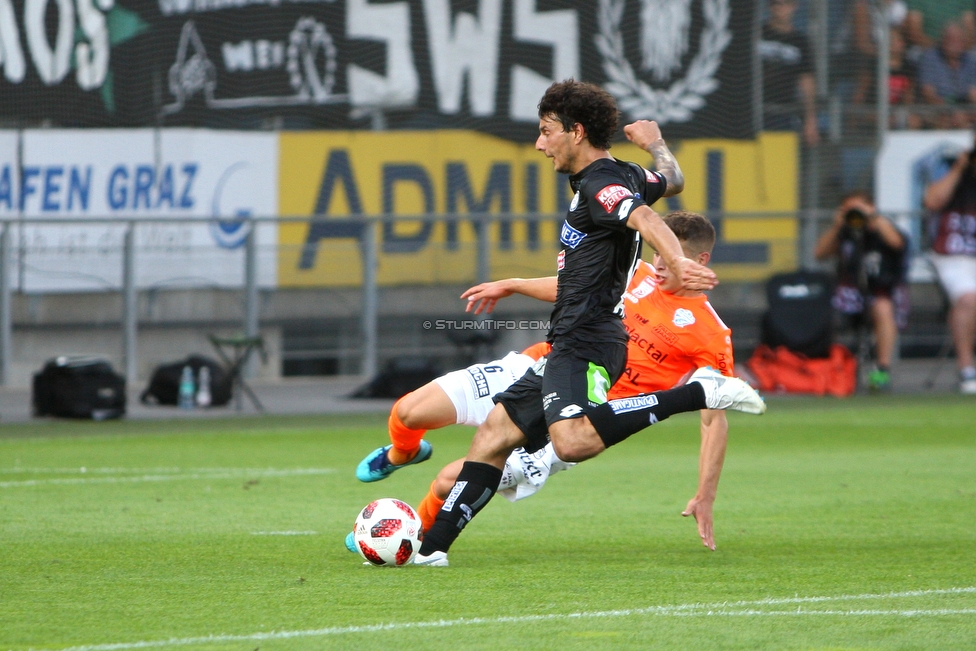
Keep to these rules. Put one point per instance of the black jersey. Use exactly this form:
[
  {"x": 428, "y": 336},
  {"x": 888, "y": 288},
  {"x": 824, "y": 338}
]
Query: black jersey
[{"x": 599, "y": 251}]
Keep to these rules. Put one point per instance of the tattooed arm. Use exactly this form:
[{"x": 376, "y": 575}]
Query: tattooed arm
[{"x": 647, "y": 135}]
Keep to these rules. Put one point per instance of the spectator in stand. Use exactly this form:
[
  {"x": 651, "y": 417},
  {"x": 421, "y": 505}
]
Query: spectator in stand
[
  {"x": 901, "y": 84},
  {"x": 947, "y": 78},
  {"x": 870, "y": 253},
  {"x": 953, "y": 199},
  {"x": 787, "y": 73},
  {"x": 927, "y": 18},
  {"x": 867, "y": 23}
]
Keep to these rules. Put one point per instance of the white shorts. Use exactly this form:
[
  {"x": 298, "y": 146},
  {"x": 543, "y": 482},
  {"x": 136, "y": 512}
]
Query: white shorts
[
  {"x": 525, "y": 473},
  {"x": 957, "y": 273},
  {"x": 471, "y": 389}
]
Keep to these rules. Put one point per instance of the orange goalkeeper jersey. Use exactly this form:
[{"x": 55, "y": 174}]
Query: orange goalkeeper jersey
[{"x": 670, "y": 337}]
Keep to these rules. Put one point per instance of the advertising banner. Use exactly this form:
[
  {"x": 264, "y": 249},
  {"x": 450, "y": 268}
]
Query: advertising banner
[
  {"x": 155, "y": 177},
  {"x": 356, "y": 64},
  {"x": 450, "y": 174}
]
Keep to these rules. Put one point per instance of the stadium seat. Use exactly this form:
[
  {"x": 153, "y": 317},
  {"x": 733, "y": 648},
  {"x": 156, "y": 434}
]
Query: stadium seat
[{"x": 799, "y": 314}]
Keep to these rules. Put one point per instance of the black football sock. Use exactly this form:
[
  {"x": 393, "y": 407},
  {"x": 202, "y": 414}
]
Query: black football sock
[
  {"x": 475, "y": 485},
  {"x": 614, "y": 421}
]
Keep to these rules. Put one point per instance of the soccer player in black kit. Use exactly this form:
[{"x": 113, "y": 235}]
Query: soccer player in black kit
[{"x": 563, "y": 397}]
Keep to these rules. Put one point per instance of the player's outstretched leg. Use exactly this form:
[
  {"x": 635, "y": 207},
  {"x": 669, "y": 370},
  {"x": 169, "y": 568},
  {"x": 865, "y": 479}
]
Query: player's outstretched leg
[
  {"x": 377, "y": 464},
  {"x": 408, "y": 447},
  {"x": 723, "y": 392}
]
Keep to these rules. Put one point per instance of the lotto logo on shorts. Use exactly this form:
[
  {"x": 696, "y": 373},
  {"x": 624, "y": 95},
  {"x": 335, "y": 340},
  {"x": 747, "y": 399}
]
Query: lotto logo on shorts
[
  {"x": 624, "y": 405},
  {"x": 571, "y": 410},
  {"x": 611, "y": 195}
]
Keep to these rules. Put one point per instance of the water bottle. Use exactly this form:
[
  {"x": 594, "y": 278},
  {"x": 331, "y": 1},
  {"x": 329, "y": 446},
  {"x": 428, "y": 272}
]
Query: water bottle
[
  {"x": 187, "y": 389},
  {"x": 204, "y": 398}
]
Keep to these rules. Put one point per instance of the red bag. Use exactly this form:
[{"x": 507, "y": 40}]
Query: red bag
[{"x": 784, "y": 371}]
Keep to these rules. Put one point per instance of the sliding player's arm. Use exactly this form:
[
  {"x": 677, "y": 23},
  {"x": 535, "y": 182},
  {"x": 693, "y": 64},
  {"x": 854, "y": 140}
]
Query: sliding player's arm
[
  {"x": 482, "y": 298},
  {"x": 715, "y": 436}
]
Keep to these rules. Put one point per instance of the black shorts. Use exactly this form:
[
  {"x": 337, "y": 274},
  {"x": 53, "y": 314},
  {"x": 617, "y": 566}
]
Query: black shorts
[{"x": 571, "y": 379}]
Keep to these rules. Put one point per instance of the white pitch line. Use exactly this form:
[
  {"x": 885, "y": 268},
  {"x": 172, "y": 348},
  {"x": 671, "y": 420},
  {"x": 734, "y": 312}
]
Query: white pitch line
[
  {"x": 725, "y": 609},
  {"x": 848, "y": 613},
  {"x": 241, "y": 473},
  {"x": 81, "y": 470},
  {"x": 284, "y": 533}
]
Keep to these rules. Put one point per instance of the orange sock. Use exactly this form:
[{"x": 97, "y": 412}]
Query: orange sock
[
  {"x": 406, "y": 441},
  {"x": 428, "y": 508}
]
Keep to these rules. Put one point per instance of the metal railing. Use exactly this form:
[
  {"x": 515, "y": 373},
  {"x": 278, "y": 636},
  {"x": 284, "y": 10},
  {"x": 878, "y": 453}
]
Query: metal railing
[{"x": 366, "y": 231}]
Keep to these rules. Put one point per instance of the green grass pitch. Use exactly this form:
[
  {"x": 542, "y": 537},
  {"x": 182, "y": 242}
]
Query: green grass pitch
[{"x": 840, "y": 525}]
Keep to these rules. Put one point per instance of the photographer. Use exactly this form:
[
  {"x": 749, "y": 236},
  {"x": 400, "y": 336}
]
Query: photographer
[
  {"x": 870, "y": 254},
  {"x": 953, "y": 198}
]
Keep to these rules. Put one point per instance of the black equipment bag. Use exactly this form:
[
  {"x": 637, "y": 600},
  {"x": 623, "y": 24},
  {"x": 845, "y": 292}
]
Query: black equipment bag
[
  {"x": 79, "y": 387},
  {"x": 164, "y": 386},
  {"x": 799, "y": 316},
  {"x": 399, "y": 377}
]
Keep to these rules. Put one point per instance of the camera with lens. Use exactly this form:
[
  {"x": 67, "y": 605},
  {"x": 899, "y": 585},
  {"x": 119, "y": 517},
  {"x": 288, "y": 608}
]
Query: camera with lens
[{"x": 855, "y": 219}]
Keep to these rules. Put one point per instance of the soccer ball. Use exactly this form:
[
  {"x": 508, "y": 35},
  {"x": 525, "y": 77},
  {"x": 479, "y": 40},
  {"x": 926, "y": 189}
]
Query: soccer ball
[{"x": 388, "y": 532}]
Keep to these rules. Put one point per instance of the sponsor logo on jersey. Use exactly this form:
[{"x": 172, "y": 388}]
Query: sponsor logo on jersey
[
  {"x": 645, "y": 287},
  {"x": 666, "y": 335},
  {"x": 611, "y": 195},
  {"x": 561, "y": 260},
  {"x": 574, "y": 203},
  {"x": 651, "y": 176},
  {"x": 624, "y": 405},
  {"x": 683, "y": 317},
  {"x": 570, "y": 236},
  {"x": 723, "y": 363},
  {"x": 532, "y": 472},
  {"x": 653, "y": 352},
  {"x": 480, "y": 381}
]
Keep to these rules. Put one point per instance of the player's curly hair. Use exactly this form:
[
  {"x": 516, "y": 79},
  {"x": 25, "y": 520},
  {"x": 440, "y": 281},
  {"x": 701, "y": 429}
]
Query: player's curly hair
[
  {"x": 693, "y": 230},
  {"x": 576, "y": 102}
]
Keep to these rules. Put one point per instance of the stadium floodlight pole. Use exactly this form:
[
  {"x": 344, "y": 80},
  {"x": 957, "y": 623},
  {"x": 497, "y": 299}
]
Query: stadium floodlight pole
[
  {"x": 369, "y": 364},
  {"x": 6, "y": 318},
  {"x": 757, "y": 71},
  {"x": 884, "y": 72},
  {"x": 483, "y": 223},
  {"x": 821, "y": 46},
  {"x": 129, "y": 307},
  {"x": 251, "y": 326}
]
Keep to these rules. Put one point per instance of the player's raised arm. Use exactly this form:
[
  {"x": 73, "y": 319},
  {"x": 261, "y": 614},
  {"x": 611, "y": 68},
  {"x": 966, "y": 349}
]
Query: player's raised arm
[
  {"x": 482, "y": 298},
  {"x": 715, "y": 436},
  {"x": 647, "y": 135},
  {"x": 655, "y": 232}
]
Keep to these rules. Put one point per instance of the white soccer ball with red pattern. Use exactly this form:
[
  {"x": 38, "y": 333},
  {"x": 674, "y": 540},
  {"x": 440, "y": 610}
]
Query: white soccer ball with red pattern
[{"x": 388, "y": 532}]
